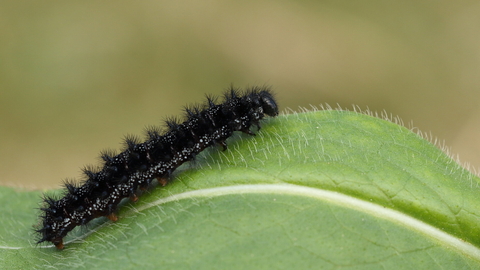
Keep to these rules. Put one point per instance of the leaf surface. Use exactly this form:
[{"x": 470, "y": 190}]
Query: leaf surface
[{"x": 324, "y": 189}]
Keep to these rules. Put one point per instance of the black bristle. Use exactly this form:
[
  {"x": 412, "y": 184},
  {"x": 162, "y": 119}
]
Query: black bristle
[
  {"x": 210, "y": 101},
  {"x": 172, "y": 124},
  {"x": 189, "y": 112},
  {"x": 50, "y": 201},
  {"x": 153, "y": 133},
  {"x": 107, "y": 156},
  {"x": 71, "y": 188},
  {"x": 131, "y": 141}
]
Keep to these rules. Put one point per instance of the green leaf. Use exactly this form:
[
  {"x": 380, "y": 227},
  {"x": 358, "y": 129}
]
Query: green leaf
[{"x": 324, "y": 190}]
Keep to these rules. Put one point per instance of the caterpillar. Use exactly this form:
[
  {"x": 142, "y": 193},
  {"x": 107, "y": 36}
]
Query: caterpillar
[{"x": 123, "y": 175}]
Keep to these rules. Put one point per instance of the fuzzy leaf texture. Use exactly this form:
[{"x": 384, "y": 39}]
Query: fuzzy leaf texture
[{"x": 325, "y": 190}]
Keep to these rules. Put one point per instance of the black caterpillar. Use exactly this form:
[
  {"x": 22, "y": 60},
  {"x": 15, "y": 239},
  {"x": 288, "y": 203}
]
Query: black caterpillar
[{"x": 138, "y": 164}]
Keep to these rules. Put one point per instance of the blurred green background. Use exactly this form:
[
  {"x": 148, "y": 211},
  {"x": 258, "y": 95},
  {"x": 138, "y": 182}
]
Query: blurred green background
[{"x": 76, "y": 76}]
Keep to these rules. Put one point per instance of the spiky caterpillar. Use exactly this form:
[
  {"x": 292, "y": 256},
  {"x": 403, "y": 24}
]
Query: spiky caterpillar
[{"x": 138, "y": 164}]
